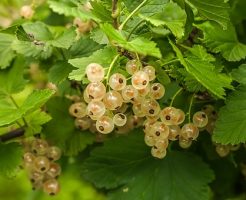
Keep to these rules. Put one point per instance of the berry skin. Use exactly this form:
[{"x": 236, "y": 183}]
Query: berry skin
[
  {"x": 113, "y": 100},
  {"x": 96, "y": 109},
  {"x": 117, "y": 81},
  {"x": 181, "y": 116},
  {"x": 82, "y": 124},
  {"x": 162, "y": 144},
  {"x": 129, "y": 93},
  {"x": 160, "y": 130},
  {"x": 94, "y": 72},
  {"x": 150, "y": 107},
  {"x": 137, "y": 110},
  {"x": 39, "y": 146},
  {"x": 35, "y": 176},
  {"x": 150, "y": 70},
  {"x": 170, "y": 116},
  {"x": 158, "y": 153},
  {"x": 26, "y": 12},
  {"x": 54, "y": 153},
  {"x": 54, "y": 170},
  {"x": 78, "y": 109},
  {"x": 184, "y": 143},
  {"x": 222, "y": 150},
  {"x": 95, "y": 91},
  {"x": 157, "y": 91},
  {"x": 189, "y": 131},
  {"x": 149, "y": 140},
  {"x": 174, "y": 132},
  {"x": 105, "y": 125},
  {"x": 200, "y": 119},
  {"x": 41, "y": 164},
  {"x": 28, "y": 159},
  {"x": 51, "y": 187},
  {"x": 140, "y": 80},
  {"x": 144, "y": 92},
  {"x": 119, "y": 119},
  {"x": 132, "y": 66}
]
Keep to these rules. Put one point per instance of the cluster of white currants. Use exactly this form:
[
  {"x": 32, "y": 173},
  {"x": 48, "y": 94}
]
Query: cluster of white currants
[
  {"x": 26, "y": 12},
  {"x": 39, "y": 161}
]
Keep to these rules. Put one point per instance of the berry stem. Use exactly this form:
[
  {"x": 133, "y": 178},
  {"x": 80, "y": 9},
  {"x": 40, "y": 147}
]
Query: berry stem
[
  {"x": 132, "y": 31},
  {"x": 175, "y": 95},
  {"x": 110, "y": 68},
  {"x": 131, "y": 14},
  {"x": 190, "y": 106},
  {"x": 12, "y": 134}
]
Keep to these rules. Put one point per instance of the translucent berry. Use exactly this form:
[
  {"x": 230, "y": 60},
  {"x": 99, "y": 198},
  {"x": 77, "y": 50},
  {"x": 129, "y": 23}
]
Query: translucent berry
[
  {"x": 150, "y": 107},
  {"x": 28, "y": 159},
  {"x": 137, "y": 110},
  {"x": 86, "y": 97},
  {"x": 170, "y": 116},
  {"x": 51, "y": 187},
  {"x": 132, "y": 66},
  {"x": 129, "y": 93},
  {"x": 174, "y": 132},
  {"x": 54, "y": 153},
  {"x": 82, "y": 124},
  {"x": 26, "y": 12},
  {"x": 122, "y": 109},
  {"x": 210, "y": 126},
  {"x": 157, "y": 91},
  {"x": 149, "y": 140},
  {"x": 105, "y": 125},
  {"x": 185, "y": 143},
  {"x": 150, "y": 70},
  {"x": 35, "y": 176},
  {"x": 54, "y": 170},
  {"x": 140, "y": 80},
  {"x": 181, "y": 116},
  {"x": 162, "y": 144},
  {"x": 189, "y": 131},
  {"x": 208, "y": 109},
  {"x": 93, "y": 128},
  {"x": 144, "y": 92},
  {"x": 234, "y": 147},
  {"x": 153, "y": 118},
  {"x": 39, "y": 146},
  {"x": 134, "y": 121},
  {"x": 113, "y": 100},
  {"x": 95, "y": 91},
  {"x": 122, "y": 129},
  {"x": 147, "y": 125},
  {"x": 119, "y": 119},
  {"x": 200, "y": 119},
  {"x": 158, "y": 153},
  {"x": 160, "y": 130},
  {"x": 222, "y": 150},
  {"x": 95, "y": 109},
  {"x": 78, "y": 109},
  {"x": 94, "y": 72},
  {"x": 37, "y": 185},
  {"x": 117, "y": 81},
  {"x": 41, "y": 164}
]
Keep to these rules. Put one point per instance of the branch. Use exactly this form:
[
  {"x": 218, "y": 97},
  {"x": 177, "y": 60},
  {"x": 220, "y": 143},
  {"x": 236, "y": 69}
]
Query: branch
[
  {"x": 115, "y": 13},
  {"x": 12, "y": 135}
]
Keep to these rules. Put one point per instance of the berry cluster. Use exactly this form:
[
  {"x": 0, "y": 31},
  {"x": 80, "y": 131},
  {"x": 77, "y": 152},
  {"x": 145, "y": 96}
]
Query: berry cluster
[
  {"x": 130, "y": 103},
  {"x": 26, "y": 12},
  {"x": 39, "y": 161}
]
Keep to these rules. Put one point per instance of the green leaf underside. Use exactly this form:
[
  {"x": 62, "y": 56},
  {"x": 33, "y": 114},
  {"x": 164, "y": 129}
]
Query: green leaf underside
[
  {"x": 139, "y": 45},
  {"x": 204, "y": 71},
  {"x": 125, "y": 162},
  {"x": 10, "y": 158},
  {"x": 171, "y": 16},
  {"x": 213, "y": 10},
  {"x": 61, "y": 129},
  {"x": 103, "y": 57},
  {"x": 230, "y": 128},
  {"x": 59, "y": 72},
  {"x": 223, "y": 41},
  {"x": 240, "y": 74},
  {"x": 34, "y": 101}
]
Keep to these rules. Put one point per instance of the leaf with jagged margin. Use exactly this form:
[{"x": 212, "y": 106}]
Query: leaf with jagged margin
[{"x": 239, "y": 74}]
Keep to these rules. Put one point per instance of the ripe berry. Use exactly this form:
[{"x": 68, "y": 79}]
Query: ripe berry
[
  {"x": 157, "y": 91},
  {"x": 149, "y": 140},
  {"x": 158, "y": 153},
  {"x": 82, "y": 124},
  {"x": 137, "y": 110},
  {"x": 174, "y": 132},
  {"x": 94, "y": 72},
  {"x": 119, "y": 119},
  {"x": 117, "y": 81},
  {"x": 200, "y": 119},
  {"x": 189, "y": 131},
  {"x": 35, "y": 176},
  {"x": 144, "y": 92},
  {"x": 129, "y": 93},
  {"x": 162, "y": 144},
  {"x": 140, "y": 80},
  {"x": 184, "y": 143},
  {"x": 54, "y": 170},
  {"x": 222, "y": 150},
  {"x": 39, "y": 146},
  {"x": 105, "y": 125},
  {"x": 113, "y": 100},
  {"x": 150, "y": 107},
  {"x": 160, "y": 130},
  {"x": 51, "y": 187},
  {"x": 54, "y": 153},
  {"x": 150, "y": 70},
  {"x": 41, "y": 164},
  {"x": 132, "y": 66},
  {"x": 170, "y": 116},
  {"x": 26, "y": 12},
  {"x": 95, "y": 91},
  {"x": 28, "y": 159},
  {"x": 96, "y": 109},
  {"x": 78, "y": 109}
]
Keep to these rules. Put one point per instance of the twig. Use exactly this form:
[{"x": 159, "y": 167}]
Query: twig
[
  {"x": 115, "y": 13},
  {"x": 12, "y": 135}
]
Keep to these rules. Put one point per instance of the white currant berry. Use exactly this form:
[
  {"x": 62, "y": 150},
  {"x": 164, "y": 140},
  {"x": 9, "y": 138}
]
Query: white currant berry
[
  {"x": 210, "y": 126},
  {"x": 137, "y": 110},
  {"x": 161, "y": 144},
  {"x": 117, "y": 81},
  {"x": 78, "y": 110},
  {"x": 189, "y": 131},
  {"x": 200, "y": 119},
  {"x": 113, "y": 100},
  {"x": 158, "y": 153},
  {"x": 51, "y": 187},
  {"x": 95, "y": 72},
  {"x": 157, "y": 91},
  {"x": 144, "y": 92},
  {"x": 134, "y": 121},
  {"x": 150, "y": 107},
  {"x": 174, "y": 132},
  {"x": 54, "y": 153},
  {"x": 28, "y": 159},
  {"x": 26, "y": 12},
  {"x": 119, "y": 119},
  {"x": 129, "y": 93},
  {"x": 222, "y": 150},
  {"x": 95, "y": 109},
  {"x": 149, "y": 140},
  {"x": 41, "y": 164},
  {"x": 83, "y": 123},
  {"x": 96, "y": 91},
  {"x": 35, "y": 176},
  {"x": 132, "y": 66},
  {"x": 160, "y": 130},
  {"x": 39, "y": 146},
  {"x": 121, "y": 109},
  {"x": 181, "y": 117},
  {"x": 147, "y": 125},
  {"x": 150, "y": 70},
  {"x": 170, "y": 116},
  {"x": 184, "y": 143},
  {"x": 54, "y": 170},
  {"x": 105, "y": 125},
  {"x": 140, "y": 80}
]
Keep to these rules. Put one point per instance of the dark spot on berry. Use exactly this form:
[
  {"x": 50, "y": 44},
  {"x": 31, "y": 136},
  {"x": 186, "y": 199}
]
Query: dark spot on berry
[
  {"x": 52, "y": 194},
  {"x": 144, "y": 82},
  {"x": 57, "y": 177},
  {"x": 33, "y": 188},
  {"x": 122, "y": 116},
  {"x": 157, "y": 133},
  {"x": 155, "y": 147},
  {"x": 155, "y": 88},
  {"x": 91, "y": 113},
  {"x": 177, "y": 137},
  {"x": 151, "y": 111},
  {"x": 121, "y": 80},
  {"x": 101, "y": 128},
  {"x": 34, "y": 151},
  {"x": 135, "y": 123},
  {"x": 116, "y": 128},
  {"x": 32, "y": 180},
  {"x": 117, "y": 107},
  {"x": 43, "y": 168},
  {"x": 91, "y": 97},
  {"x": 51, "y": 159},
  {"x": 75, "y": 111},
  {"x": 144, "y": 127},
  {"x": 80, "y": 127},
  {"x": 203, "y": 116},
  {"x": 168, "y": 117},
  {"x": 214, "y": 112}
]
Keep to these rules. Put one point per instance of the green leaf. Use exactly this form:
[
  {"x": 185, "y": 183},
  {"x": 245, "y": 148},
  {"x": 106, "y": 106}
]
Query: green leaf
[
  {"x": 171, "y": 16},
  {"x": 103, "y": 57},
  {"x": 59, "y": 72},
  {"x": 101, "y": 12},
  {"x": 213, "y": 10},
  {"x": 204, "y": 71},
  {"x": 230, "y": 128},
  {"x": 240, "y": 74},
  {"x": 10, "y": 158},
  {"x": 61, "y": 129},
  {"x": 139, "y": 45},
  {"x": 65, "y": 40},
  {"x": 125, "y": 163},
  {"x": 6, "y": 52},
  {"x": 152, "y": 7},
  {"x": 223, "y": 41},
  {"x": 98, "y": 36}
]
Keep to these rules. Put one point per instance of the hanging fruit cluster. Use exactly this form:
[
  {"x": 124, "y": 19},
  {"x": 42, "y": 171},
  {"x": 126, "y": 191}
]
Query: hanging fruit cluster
[{"x": 39, "y": 161}]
